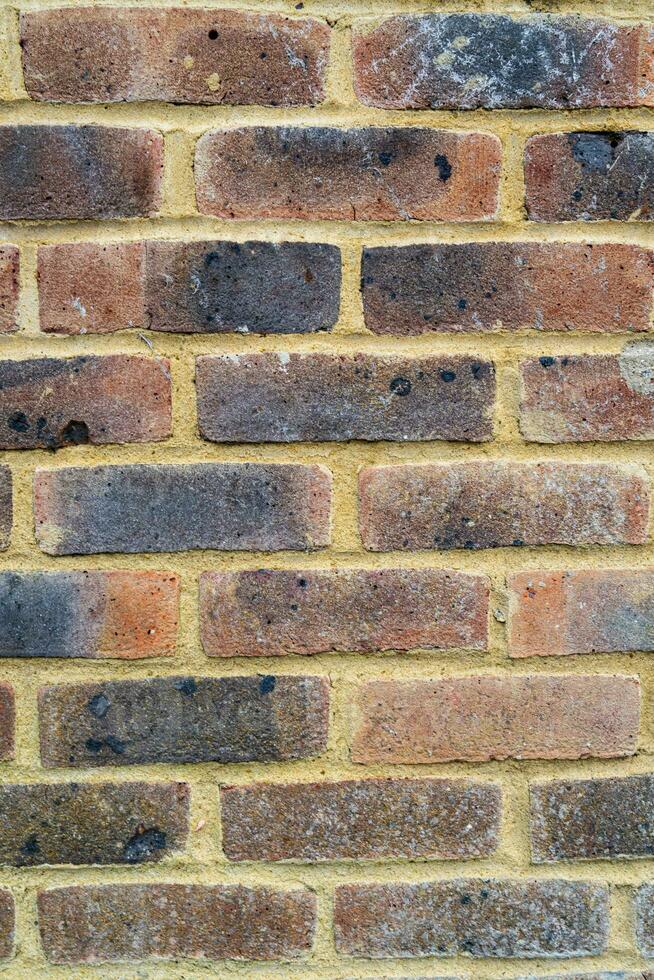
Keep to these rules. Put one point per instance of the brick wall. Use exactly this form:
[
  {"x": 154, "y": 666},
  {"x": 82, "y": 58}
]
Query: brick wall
[{"x": 326, "y": 424}]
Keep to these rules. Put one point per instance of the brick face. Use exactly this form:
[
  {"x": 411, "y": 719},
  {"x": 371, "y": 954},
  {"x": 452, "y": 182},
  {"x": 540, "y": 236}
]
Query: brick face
[
  {"x": 7, "y": 721},
  {"x": 7, "y": 923},
  {"x": 9, "y": 269}
]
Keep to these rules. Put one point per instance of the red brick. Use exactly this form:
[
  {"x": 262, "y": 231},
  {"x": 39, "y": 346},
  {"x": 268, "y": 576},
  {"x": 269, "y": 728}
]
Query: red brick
[
  {"x": 77, "y": 287},
  {"x": 557, "y": 613},
  {"x": 590, "y": 176},
  {"x": 508, "y": 286},
  {"x": 356, "y": 174},
  {"x": 500, "y": 504},
  {"x": 79, "y": 172},
  {"x": 53, "y": 402},
  {"x": 7, "y": 923},
  {"x": 472, "y": 917},
  {"x": 95, "y": 614},
  {"x": 7, "y": 727},
  {"x": 9, "y": 266},
  {"x": 226, "y": 57},
  {"x": 108, "y": 923},
  {"x": 6, "y": 507},
  {"x": 164, "y": 507},
  {"x": 273, "y": 613},
  {"x": 373, "y": 818},
  {"x": 322, "y": 397},
  {"x": 469, "y": 61},
  {"x": 476, "y": 719}
]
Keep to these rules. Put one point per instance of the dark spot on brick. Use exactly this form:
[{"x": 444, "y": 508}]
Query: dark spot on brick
[
  {"x": 213, "y": 34},
  {"x": 448, "y": 375},
  {"x": 400, "y": 386},
  {"x": 76, "y": 433},
  {"x": 99, "y": 705},
  {"x": 31, "y": 846},
  {"x": 443, "y": 166},
  {"x": 94, "y": 744},
  {"x": 385, "y": 157},
  {"x": 267, "y": 684},
  {"x": 462, "y": 304},
  {"x": 517, "y": 543},
  {"x": 547, "y": 361},
  {"x": 144, "y": 844},
  {"x": 18, "y": 422},
  {"x": 187, "y": 685}
]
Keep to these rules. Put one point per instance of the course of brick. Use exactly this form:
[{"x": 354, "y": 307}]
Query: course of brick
[{"x": 326, "y": 428}]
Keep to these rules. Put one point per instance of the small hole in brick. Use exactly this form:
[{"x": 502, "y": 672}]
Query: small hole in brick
[{"x": 213, "y": 34}]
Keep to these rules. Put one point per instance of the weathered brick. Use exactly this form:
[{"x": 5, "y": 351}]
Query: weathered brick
[
  {"x": 249, "y": 287},
  {"x": 590, "y": 176},
  {"x": 603, "y": 975},
  {"x": 99, "y": 823},
  {"x": 6, "y": 507},
  {"x": 472, "y": 917},
  {"x": 488, "y": 61},
  {"x": 320, "y": 397},
  {"x": 94, "y": 614},
  {"x": 481, "y": 718},
  {"x": 79, "y": 172},
  {"x": 501, "y": 504},
  {"x": 183, "y": 719},
  {"x": 103, "y": 923},
  {"x": 228, "y": 506},
  {"x": 589, "y": 398},
  {"x": 53, "y": 402},
  {"x": 592, "y": 818},
  {"x": 273, "y": 612},
  {"x": 227, "y": 57},
  {"x": 7, "y": 923},
  {"x": 484, "y": 286},
  {"x": 355, "y": 174},
  {"x": 644, "y": 919},
  {"x": 7, "y": 728},
  {"x": 9, "y": 266},
  {"x": 556, "y": 613},
  {"x": 370, "y": 818},
  {"x": 77, "y": 287}
]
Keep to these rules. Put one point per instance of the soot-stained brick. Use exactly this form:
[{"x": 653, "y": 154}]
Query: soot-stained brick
[
  {"x": 99, "y": 823},
  {"x": 183, "y": 719},
  {"x": 470, "y": 61},
  {"x": 79, "y": 172},
  {"x": 590, "y": 176},
  {"x": 320, "y": 397},
  {"x": 93, "y": 614},
  {"x": 152, "y": 508},
  {"x": 249, "y": 287},
  {"x": 348, "y": 174},
  {"x": 476, "y": 918},
  {"x": 6, "y": 507}
]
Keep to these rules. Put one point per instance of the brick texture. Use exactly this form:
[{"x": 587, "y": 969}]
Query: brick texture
[
  {"x": 644, "y": 919},
  {"x": 272, "y": 613},
  {"x": 6, "y": 507},
  {"x": 239, "y": 507},
  {"x": 557, "y": 613},
  {"x": 101, "y": 923},
  {"x": 183, "y": 719},
  {"x": 7, "y": 721},
  {"x": 9, "y": 269},
  {"x": 225, "y": 57},
  {"x": 507, "y": 286},
  {"x": 482, "y": 718},
  {"x": 477, "y": 918},
  {"x": 492, "y": 505},
  {"x": 356, "y": 174},
  {"x": 7, "y": 923},
  {"x": 319, "y": 397}
]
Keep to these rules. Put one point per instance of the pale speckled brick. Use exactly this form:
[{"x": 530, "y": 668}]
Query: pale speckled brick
[{"x": 9, "y": 270}]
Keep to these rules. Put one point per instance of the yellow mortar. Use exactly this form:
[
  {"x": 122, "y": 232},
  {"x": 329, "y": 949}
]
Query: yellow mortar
[{"x": 203, "y": 861}]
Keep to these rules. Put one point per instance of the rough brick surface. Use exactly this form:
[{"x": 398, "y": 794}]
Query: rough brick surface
[
  {"x": 489, "y": 286},
  {"x": 644, "y": 919},
  {"x": 556, "y": 613},
  {"x": 500, "y": 504},
  {"x": 486, "y": 717},
  {"x": 7, "y": 923},
  {"x": 251, "y": 287},
  {"x": 103, "y": 823},
  {"x": 183, "y": 719},
  {"x": 7, "y": 722},
  {"x": 469, "y": 61},
  {"x": 226, "y": 57},
  {"x": 77, "y": 287},
  {"x": 9, "y": 266},
  {"x": 53, "y": 402},
  {"x": 590, "y": 176},
  {"x": 472, "y": 917},
  {"x": 128, "y": 615},
  {"x": 371, "y": 818},
  {"x": 355, "y": 174},
  {"x": 589, "y": 398},
  {"x": 6, "y": 507},
  {"x": 592, "y": 818},
  {"x": 79, "y": 172},
  {"x": 101, "y": 923},
  {"x": 319, "y": 397},
  {"x": 240, "y": 506},
  {"x": 272, "y": 613}
]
